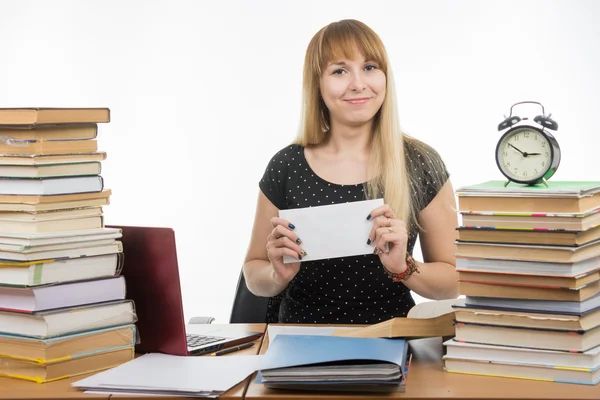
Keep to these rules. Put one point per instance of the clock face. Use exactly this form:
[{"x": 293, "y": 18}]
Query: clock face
[{"x": 524, "y": 154}]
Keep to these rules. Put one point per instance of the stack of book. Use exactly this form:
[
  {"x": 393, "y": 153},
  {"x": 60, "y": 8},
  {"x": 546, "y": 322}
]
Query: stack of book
[
  {"x": 528, "y": 259},
  {"x": 63, "y": 310}
]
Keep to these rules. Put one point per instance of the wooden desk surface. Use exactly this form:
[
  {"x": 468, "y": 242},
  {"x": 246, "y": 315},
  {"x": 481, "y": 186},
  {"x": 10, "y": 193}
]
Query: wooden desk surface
[
  {"x": 427, "y": 380},
  {"x": 14, "y": 389},
  {"x": 18, "y": 389}
]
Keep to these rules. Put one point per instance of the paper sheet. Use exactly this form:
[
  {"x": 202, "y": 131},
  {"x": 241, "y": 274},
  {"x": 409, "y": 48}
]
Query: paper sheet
[
  {"x": 113, "y": 393},
  {"x": 331, "y": 231},
  {"x": 165, "y": 373}
]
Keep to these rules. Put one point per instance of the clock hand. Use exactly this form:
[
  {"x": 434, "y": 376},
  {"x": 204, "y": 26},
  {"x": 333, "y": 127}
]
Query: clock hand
[
  {"x": 533, "y": 154},
  {"x": 524, "y": 154}
]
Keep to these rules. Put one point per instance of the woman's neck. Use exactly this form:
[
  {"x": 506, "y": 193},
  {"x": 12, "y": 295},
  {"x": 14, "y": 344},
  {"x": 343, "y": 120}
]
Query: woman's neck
[{"x": 349, "y": 141}]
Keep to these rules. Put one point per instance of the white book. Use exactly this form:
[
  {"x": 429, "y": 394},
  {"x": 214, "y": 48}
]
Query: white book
[
  {"x": 62, "y": 225},
  {"x": 553, "y": 306},
  {"x": 589, "y": 360},
  {"x": 12, "y": 241},
  {"x": 88, "y": 251},
  {"x": 51, "y": 186},
  {"x": 50, "y": 170},
  {"x": 52, "y": 247},
  {"x": 53, "y": 323},
  {"x": 63, "y": 295},
  {"x": 571, "y": 269},
  {"x": 55, "y": 215},
  {"x": 60, "y": 271}
]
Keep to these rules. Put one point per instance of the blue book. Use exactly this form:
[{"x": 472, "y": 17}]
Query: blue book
[{"x": 334, "y": 363}]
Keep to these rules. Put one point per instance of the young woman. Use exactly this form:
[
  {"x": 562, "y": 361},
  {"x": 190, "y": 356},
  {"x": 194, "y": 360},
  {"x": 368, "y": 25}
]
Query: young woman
[{"x": 350, "y": 148}]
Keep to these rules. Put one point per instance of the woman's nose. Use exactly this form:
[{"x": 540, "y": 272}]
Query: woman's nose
[{"x": 357, "y": 83}]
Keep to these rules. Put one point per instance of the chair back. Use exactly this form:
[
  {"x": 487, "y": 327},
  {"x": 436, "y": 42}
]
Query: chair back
[{"x": 248, "y": 308}]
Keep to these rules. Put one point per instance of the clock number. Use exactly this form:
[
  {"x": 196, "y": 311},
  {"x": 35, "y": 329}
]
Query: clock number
[
  {"x": 516, "y": 138},
  {"x": 504, "y": 154},
  {"x": 543, "y": 144},
  {"x": 526, "y": 134},
  {"x": 525, "y": 174},
  {"x": 508, "y": 164},
  {"x": 547, "y": 154},
  {"x": 543, "y": 163},
  {"x": 535, "y": 171}
]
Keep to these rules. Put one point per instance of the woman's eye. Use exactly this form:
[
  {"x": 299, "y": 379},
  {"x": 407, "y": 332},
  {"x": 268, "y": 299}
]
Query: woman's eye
[
  {"x": 371, "y": 67},
  {"x": 338, "y": 71}
]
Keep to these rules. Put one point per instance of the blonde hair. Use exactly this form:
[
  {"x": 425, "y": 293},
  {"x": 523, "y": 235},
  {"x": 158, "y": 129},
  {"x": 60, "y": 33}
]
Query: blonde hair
[{"x": 387, "y": 162}]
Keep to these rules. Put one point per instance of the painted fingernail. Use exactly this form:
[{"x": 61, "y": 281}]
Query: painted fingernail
[
  {"x": 368, "y": 217},
  {"x": 375, "y": 250},
  {"x": 291, "y": 226},
  {"x": 298, "y": 241},
  {"x": 303, "y": 253},
  {"x": 369, "y": 241},
  {"x": 299, "y": 257}
]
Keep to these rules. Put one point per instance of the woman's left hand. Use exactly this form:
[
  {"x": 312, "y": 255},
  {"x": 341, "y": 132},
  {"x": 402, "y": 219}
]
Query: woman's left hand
[{"x": 388, "y": 229}]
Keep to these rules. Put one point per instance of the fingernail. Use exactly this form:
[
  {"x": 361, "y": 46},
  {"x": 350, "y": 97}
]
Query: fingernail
[
  {"x": 368, "y": 217},
  {"x": 291, "y": 226},
  {"x": 381, "y": 251},
  {"x": 298, "y": 241},
  {"x": 369, "y": 241},
  {"x": 375, "y": 250},
  {"x": 303, "y": 253},
  {"x": 299, "y": 257}
]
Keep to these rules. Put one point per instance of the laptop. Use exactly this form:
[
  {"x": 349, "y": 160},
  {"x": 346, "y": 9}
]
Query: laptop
[{"x": 151, "y": 276}]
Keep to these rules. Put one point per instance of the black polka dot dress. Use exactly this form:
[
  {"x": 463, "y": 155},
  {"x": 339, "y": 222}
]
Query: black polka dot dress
[{"x": 345, "y": 290}]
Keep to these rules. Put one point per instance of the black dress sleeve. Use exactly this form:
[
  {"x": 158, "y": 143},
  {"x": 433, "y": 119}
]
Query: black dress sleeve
[
  {"x": 274, "y": 179},
  {"x": 428, "y": 172}
]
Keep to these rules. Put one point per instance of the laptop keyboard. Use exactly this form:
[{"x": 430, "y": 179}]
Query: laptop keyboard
[{"x": 200, "y": 340}]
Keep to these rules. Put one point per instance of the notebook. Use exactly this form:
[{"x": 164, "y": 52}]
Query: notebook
[{"x": 152, "y": 276}]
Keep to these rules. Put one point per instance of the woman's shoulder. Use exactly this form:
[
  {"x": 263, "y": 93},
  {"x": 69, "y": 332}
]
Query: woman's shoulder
[
  {"x": 286, "y": 154},
  {"x": 418, "y": 151},
  {"x": 426, "y": 169}
]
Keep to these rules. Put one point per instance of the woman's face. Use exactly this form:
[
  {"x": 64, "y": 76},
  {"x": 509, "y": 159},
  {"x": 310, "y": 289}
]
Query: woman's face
[{"x": 353, "y": 90}]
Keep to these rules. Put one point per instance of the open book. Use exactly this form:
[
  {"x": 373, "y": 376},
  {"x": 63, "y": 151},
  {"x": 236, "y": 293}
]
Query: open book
[{"x": 427, "y": 319}]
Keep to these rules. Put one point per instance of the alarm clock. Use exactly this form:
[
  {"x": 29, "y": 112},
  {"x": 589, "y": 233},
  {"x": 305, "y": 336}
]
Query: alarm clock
[{"x": 527, "y": 152}]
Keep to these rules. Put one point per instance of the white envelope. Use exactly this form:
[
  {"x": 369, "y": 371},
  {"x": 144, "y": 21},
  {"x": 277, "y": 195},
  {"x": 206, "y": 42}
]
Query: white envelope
[{"x": 331, "y": 231}]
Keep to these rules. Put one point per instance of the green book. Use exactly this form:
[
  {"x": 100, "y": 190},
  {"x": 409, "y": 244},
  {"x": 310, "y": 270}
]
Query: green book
[{"x": 554, "y": 188}]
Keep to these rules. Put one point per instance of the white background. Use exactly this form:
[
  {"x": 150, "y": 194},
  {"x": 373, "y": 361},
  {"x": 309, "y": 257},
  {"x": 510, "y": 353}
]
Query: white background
[{"x": 203, "y": 93}]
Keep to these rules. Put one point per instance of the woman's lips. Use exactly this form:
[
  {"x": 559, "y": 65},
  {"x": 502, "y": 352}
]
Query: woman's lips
[{"x": 361, "y": 100}]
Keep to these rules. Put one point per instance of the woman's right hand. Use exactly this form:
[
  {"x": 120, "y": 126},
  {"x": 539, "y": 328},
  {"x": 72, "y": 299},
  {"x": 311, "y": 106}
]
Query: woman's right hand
[{"x": 284, "y": 242}]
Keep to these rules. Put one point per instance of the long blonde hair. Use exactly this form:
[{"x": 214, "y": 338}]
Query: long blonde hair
[{"x": 387, "y": 162}]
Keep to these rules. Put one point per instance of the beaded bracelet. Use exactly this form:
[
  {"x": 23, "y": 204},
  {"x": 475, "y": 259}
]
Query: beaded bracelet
[{"x": 411, "y": 268}]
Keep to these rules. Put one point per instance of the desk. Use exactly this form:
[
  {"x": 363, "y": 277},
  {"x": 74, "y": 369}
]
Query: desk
[
  {"x": 427, "y": 380},
  {"x": 14, "y": 389},
  {"x": 18, "y": 389}
]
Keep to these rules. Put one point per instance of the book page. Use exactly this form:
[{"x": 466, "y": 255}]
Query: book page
[{"x": 432, "y": 309}]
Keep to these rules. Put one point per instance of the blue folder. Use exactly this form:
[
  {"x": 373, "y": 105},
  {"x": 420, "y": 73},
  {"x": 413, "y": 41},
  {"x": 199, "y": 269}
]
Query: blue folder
[{"x": 302, "y": 350}]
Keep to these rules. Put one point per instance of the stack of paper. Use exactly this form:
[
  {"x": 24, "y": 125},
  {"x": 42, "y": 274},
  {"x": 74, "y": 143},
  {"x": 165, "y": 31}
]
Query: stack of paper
[{"x": 164, "y": 374}]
